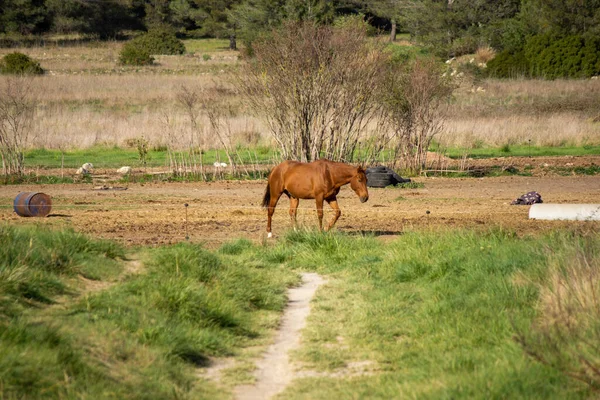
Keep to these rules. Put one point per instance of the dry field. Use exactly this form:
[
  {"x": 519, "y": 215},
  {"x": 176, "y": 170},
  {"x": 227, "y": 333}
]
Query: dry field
[
  {"x": 86, "y": 98},
  {"x": 153, "y": 214}
]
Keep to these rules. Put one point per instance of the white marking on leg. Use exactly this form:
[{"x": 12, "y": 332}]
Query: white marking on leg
[{"x": 269, "y": 235}]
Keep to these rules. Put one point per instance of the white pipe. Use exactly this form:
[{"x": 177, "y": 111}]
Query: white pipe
[{"x": 572, "y": 212}]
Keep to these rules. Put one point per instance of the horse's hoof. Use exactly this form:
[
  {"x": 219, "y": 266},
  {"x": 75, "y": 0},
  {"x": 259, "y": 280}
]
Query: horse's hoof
[{"x": 269, "y": 235}]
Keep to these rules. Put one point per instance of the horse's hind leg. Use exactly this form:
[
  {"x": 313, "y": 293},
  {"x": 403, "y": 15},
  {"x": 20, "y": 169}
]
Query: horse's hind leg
[
  {"x": 337, "y": 212},
  {"x": 293, "y": 208},
  {"x": 271, "y": 210}
]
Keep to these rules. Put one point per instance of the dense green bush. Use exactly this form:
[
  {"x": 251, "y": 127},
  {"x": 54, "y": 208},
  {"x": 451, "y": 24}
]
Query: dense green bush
[
  {"x": 160, "y": 41},
  {"x": 508, "y": 65},
  {"x": 19, "y": 63},
  {"x": 550, "y": 57},
  {"x": 134, "y": 54},
  {"x": 466, "y": 44}
]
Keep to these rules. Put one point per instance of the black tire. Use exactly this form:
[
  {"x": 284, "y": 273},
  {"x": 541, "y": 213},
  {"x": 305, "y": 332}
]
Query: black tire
[
  {"x": 377, "y": 169},
  {"x": 380, "y": 175},
  {"x": 398, "y": 179},
  {"x": 379, "y": 184},
  {"x": 380, "y": 179}
]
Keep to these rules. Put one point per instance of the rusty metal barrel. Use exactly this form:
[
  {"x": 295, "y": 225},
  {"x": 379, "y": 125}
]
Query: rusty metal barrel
[{"x": 32, "y": 204}]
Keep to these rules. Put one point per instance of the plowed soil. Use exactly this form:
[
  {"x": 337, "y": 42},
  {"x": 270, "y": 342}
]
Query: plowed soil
[{"x": 155, "y": 213}]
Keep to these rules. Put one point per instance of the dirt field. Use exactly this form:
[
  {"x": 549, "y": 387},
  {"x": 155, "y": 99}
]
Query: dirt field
[{"x": 153, "y": 214}]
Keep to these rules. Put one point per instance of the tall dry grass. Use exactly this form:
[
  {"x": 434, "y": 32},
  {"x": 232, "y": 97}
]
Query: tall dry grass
[
  {"x": 566, "y": 332},
  {"x": 87, "y": 99},
  {"x": 549, "y": 113}
]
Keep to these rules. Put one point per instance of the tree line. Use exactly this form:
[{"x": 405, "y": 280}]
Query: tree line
[{"x": 447, "y": 27}]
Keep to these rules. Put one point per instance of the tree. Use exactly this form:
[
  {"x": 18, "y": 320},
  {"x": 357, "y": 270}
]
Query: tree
[
  {"x": 157, "y": 13},
  {"x": 17, "y": 108},
  {"x": 315, "y": 87},
  {"x": 23, "y": 16},
  {"x": 415, "y": 104},
  {"x": 105, "y": 19},
  {"x": 565, "y": 17},
  {"x": 254, "y": 17},
  {"x": 396, "y": 11},
  {"x": 454, "y": 27}
]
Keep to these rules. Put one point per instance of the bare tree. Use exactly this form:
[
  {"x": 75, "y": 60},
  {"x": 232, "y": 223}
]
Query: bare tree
[
  {"x": 315, "y": 88},
  {"x": 17, "y": 109},
  {"x": 190, "y": 100},
  {"x": 416, "y": 101},
  {"x": 218, "y": 111}
]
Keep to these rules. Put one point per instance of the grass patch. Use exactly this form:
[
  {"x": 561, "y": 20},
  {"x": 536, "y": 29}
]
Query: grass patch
[
  {"x": 36, "y": 262},
  {"x": 141, "y": 337},
  {"x": 430, "y": 304},
  {"x": 567, "y": 171},
  {"x": 34, "y": 179},
  {"x": 206, "y": 45},
  {"x": 444, "y": 304},
  {"x": 409, "y": 185},
  {"x": 522, "y": 151},
  {"x": 116, "y": 157}
]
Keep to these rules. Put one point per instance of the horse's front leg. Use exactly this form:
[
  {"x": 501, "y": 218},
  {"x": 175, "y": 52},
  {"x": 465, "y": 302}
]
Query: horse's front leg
[
  {"x": 319, "y": 201},
  {"x": 293, "y": 208},
  {"x": 337, "y": 212}
]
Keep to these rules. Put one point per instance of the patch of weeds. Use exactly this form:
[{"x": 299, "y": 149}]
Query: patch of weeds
[
  {"x": 505, "y": 148},
  {"x": 35, "y": 179},
  {"x": 236, "y": 248},
  {"x": 591, "y": 170},
  {"x": 400, "y": 198},
  {"x": 409, "y": 185},
  {"x": 567, "y": 171}
]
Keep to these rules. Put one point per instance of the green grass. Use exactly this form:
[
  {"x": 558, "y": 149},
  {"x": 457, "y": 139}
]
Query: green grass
[
  {"x": 433, "y": 313},
  {"x": 116, "y": 157},
  {"x": 141, "y": 336},
  {"x": 35, "y": 262},
  {"x": 206, "y": 45},
  {"x": 522, "y": 151}
]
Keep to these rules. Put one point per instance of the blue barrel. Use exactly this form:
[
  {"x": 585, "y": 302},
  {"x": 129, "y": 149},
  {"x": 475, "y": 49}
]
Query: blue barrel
[{"x": 32, "y": 204}]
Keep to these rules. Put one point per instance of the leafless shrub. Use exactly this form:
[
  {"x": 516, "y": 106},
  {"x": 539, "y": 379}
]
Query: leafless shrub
[
  {"x": 17, "y": 109},
  {"x": 218, "y": 112},
  {"x": 566, "y": 334},
  {"x": 189, "y": 99},
  {"x": 416, "y": 108},
  {"x": 315, "y": 88}
]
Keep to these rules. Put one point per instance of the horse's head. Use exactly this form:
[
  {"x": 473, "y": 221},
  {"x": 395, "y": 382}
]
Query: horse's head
[{"x": 358, "y": 183}]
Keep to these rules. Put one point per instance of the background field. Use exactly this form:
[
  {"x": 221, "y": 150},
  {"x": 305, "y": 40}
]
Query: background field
[
  {"x": 87, "y": 99},
  {"x": 429, "y": 283}
]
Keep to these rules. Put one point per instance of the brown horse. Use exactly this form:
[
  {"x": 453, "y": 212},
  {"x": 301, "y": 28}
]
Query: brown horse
[{"x": 320, "y": 180}]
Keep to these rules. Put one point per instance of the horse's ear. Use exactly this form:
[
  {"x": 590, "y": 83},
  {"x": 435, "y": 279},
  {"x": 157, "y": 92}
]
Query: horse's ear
[{"x": 360, "y": 169}]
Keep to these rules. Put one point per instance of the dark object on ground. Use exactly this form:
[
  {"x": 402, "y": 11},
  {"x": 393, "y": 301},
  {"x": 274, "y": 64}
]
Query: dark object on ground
[
  {"x": 528, "y": 199},
  {"x": 381, "y": 176}
]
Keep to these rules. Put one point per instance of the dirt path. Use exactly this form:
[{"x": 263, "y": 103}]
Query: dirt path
[{"x": 274, "y": 371}]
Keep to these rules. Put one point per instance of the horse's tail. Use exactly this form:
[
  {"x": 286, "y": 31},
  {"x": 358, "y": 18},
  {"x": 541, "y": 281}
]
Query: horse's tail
[{"x": 267, "y": 198}]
